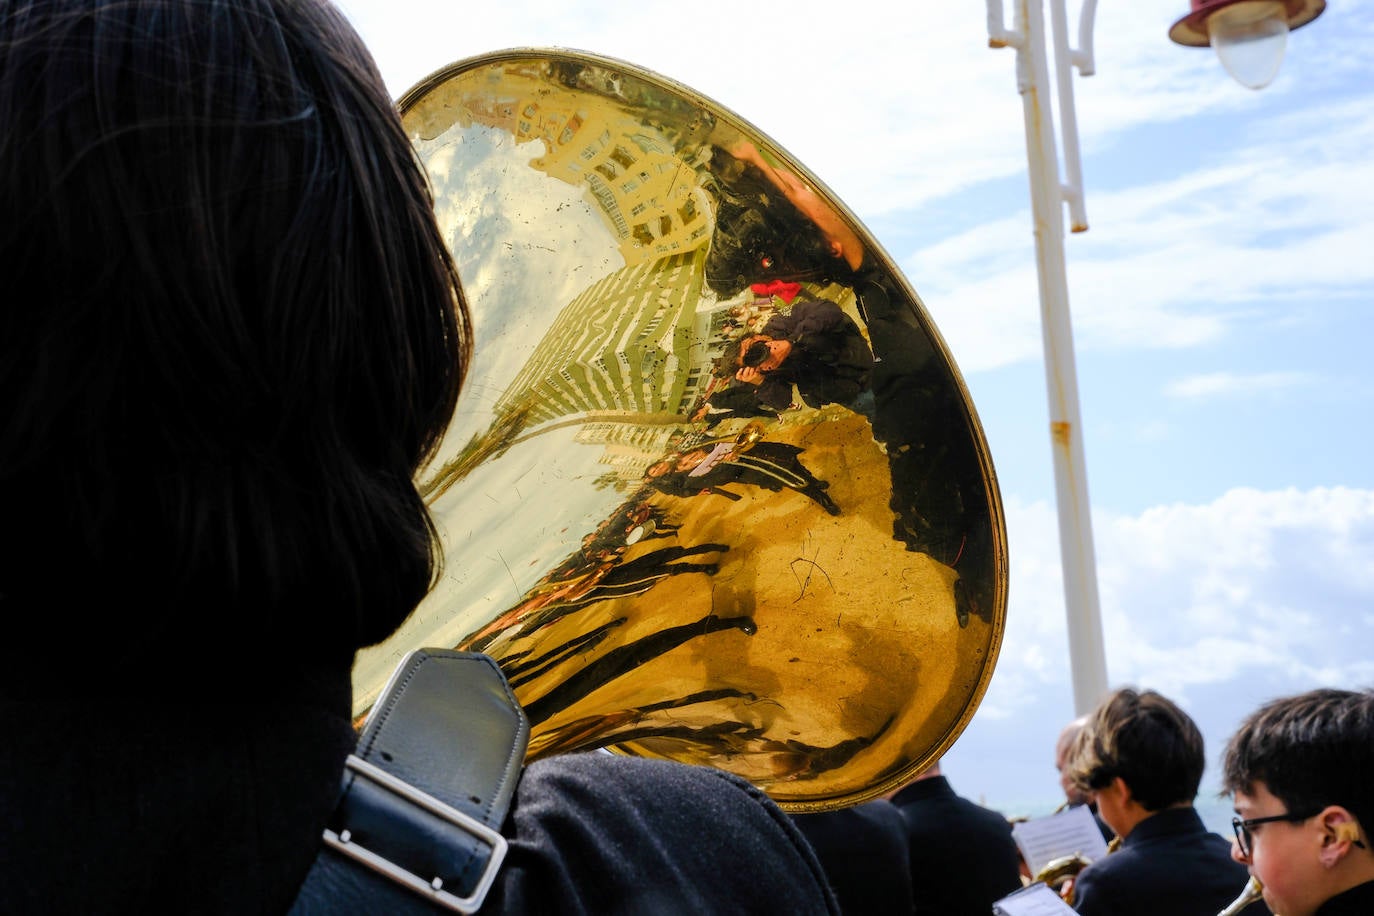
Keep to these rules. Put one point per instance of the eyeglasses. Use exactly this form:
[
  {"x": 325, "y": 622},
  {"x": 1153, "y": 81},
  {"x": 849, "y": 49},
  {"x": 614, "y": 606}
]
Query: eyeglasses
[{"x": 1244, "y": 837}]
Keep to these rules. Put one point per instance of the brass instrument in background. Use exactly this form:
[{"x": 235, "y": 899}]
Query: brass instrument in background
[
  {"x": 1057, "y": 872},
  {"x": 1253, "y": 893},
  {"x": 808, "y": 592}
]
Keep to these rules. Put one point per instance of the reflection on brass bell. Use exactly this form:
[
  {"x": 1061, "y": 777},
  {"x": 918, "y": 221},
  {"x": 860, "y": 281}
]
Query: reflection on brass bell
[{"x": 768, "y": 578}]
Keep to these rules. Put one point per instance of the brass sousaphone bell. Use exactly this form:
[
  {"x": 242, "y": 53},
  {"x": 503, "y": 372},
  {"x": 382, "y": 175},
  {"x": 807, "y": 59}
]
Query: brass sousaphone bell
[{"x": 803, "y": 581}]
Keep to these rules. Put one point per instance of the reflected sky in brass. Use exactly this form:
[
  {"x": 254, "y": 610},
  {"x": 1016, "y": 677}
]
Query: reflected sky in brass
[{"x": 802, "y": 582}]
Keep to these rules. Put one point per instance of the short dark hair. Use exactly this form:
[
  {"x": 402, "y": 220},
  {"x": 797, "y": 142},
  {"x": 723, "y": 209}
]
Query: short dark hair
[
  {"x": 736, "y": 354},
  {"x": 728, "y": 363},
  {"x": 232, "y": 329},
  {"x": 756, "y": 354},
  {"x": 1310, "y": 750},
  {"x": 1145, "y": 739}
]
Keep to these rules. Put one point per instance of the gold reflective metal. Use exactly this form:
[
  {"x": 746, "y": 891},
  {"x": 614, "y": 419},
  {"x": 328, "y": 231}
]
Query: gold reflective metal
[{"x": 812, "y": 597}]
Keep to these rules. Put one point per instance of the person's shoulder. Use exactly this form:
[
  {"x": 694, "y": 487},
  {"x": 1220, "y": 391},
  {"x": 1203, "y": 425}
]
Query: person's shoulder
[
  {"x": 588, "y": 827},
  {"x": 873, "y": 818},
  {"x": 881, "y": 812},
  {"x": 1124, "y": 869},
  {"x": 600, "y": 773},
  {"x": 817, "y": 308},
  {"x": 1104, "y": 886},
  {"x": 971, "y": 811}
]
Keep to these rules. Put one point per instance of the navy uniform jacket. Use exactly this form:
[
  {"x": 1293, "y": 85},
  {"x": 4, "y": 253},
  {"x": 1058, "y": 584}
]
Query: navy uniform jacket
[
  {"x": 1358, "y": 901},
  {"x": 597, "y": 833},
  {"x": 863, "y": 850},
  {"x": 962, "y": 855},
  {"x": 1169, "y": 863}
]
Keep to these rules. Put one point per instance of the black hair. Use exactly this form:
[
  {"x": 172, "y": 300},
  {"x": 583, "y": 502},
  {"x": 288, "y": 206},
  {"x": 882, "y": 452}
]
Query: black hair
[
  {"x": 759, "y": 234},
  {"x": 232, "y": 330},
  {"x": 735, "y": 354},
  {"x": 756, "y": 354},
  {"x": 1310, "y": 750},
  {"x": 1148, "y": 741}
]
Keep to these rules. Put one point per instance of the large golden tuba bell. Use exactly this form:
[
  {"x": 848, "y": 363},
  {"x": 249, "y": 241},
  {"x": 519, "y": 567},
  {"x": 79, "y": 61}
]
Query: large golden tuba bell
[{"x": 803, "y": 583}]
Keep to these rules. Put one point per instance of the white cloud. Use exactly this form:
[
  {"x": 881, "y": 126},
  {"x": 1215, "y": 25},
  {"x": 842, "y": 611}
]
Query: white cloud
[
  {"x": 1194, "y": 594},
  {"x": 1255, "y": 593},
  {"x": 1227, "y": 384},
  {"x": 1179, "y": 262}
]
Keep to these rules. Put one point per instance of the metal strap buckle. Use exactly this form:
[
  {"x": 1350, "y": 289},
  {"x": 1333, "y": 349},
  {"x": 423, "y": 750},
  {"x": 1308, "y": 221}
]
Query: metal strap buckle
[{"x": 433, "y": 889}]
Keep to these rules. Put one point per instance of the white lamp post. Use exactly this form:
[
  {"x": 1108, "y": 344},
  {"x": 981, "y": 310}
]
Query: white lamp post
[
  {"x": 1248, "y": 35},
  {"x": 1048, "y": 196}
]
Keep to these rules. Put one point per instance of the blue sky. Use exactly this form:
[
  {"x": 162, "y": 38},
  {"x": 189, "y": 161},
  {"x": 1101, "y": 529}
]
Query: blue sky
[{"x": 1222, "y": 300}]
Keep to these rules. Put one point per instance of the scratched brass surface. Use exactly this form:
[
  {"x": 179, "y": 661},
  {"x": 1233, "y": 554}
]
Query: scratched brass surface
[{"x": 812, "y": 597}]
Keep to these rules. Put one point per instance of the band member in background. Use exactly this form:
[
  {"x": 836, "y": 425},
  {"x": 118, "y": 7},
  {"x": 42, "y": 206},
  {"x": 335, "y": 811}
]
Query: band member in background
[
  {"x": 962, "y": 855},
  {"x": 1141, "y": 758}
]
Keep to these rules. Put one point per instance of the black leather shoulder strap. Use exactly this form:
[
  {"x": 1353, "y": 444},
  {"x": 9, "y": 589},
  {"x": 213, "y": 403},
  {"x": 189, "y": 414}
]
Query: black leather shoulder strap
[{"x": 417, "y": 825}]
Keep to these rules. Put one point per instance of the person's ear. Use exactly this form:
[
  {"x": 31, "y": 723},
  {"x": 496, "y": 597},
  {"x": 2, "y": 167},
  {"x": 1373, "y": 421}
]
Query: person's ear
[{"x": 1340, "y": 831}]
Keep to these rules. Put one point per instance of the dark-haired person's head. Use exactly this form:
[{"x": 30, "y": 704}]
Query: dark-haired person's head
[
  {"x": 756, "y": 354},
  {"x": 758, "y": 351},
  {"x": 732, "y": 355},
  {"x": 1144, "y": 739},
  {"x": 1310, "y": 750},
  {"x": 1298, "y": 773},
  {"x": 231, "y": 331}
]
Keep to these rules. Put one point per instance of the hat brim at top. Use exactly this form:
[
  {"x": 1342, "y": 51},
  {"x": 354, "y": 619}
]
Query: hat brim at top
[{"x": 1191, "y": 30}]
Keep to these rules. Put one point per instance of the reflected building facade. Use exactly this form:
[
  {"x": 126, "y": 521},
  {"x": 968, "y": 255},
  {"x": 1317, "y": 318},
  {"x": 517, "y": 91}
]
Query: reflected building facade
[{"x": 628, "y": 343}]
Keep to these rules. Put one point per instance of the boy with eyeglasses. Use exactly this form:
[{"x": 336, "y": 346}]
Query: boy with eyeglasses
[{"x": 1298, "y": 770}]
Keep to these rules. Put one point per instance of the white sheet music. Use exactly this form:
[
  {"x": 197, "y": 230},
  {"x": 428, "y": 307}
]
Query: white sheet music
[
  {"x": 1034, "y": 900},
  {"x": 1044, "y": 839},
  {"x": 718, "y": 454}
]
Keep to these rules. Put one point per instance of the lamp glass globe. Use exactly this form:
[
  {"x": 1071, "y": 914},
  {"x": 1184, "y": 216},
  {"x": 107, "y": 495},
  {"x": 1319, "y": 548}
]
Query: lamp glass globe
[{"x": 1250, "y": 38}]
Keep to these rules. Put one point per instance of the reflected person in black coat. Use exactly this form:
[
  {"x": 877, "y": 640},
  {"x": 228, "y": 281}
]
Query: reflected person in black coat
[
  {"x": 774, "y": 466},
  {"x": 962, "y": 856},
  {"x": 814, "y": 346}
]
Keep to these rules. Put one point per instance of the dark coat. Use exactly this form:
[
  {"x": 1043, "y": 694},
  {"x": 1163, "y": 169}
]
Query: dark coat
[
  {"x": 1358, "y": 901},
  {"x": 863, "y": 850},
  {"x": 962, "y": 856},
  {"x": 181, "y": 807},
  {"x": 598, "y": 833},
  {"x": 830, "y": 362},
  {"x": 1169, "y": 863},
  {"x": 168, "y": 802}
]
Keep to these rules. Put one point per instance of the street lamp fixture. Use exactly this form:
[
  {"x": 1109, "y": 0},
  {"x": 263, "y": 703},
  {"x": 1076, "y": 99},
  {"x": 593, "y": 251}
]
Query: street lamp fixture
[
  {"x": 1052, "y": 192},
  {"x": 1249, "y": 35}
]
